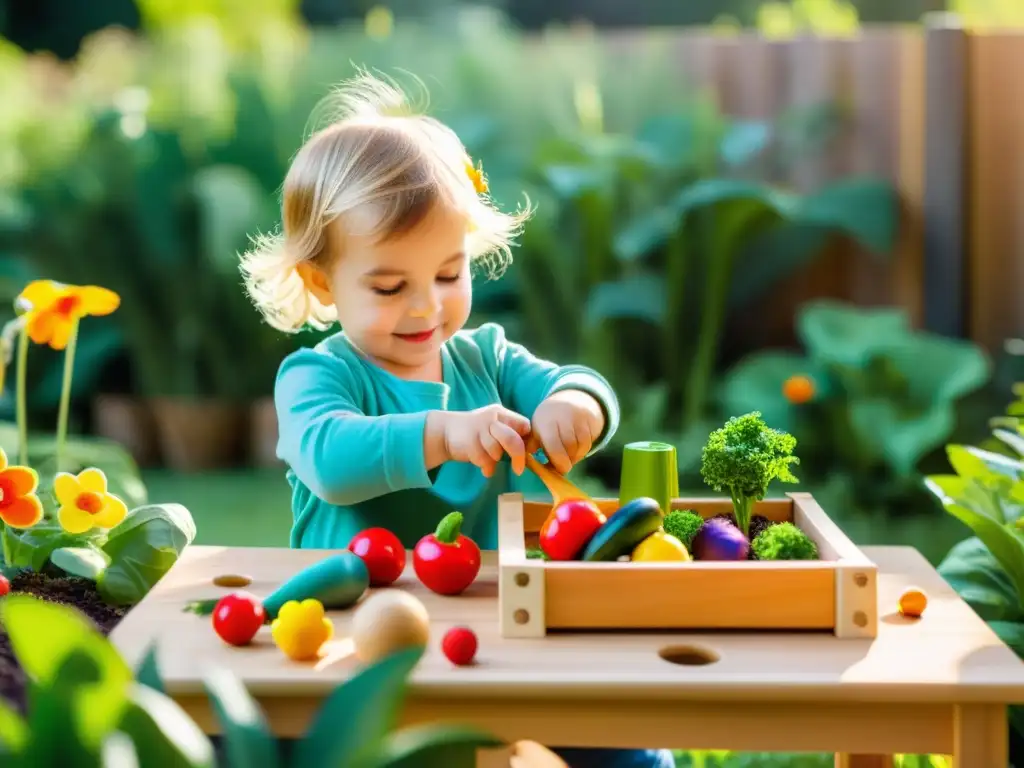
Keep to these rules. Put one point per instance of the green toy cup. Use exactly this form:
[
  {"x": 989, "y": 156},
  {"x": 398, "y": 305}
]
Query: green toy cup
[{"x": 649, "y": 469}]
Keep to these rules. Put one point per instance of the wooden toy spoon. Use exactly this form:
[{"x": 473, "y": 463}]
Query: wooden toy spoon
[{"x": 561, "y": 489}]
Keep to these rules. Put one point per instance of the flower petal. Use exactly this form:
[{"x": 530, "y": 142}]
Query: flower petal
[
  {"x": 40, "y": 294},
  {"x": 40, "y": 326},
  {"x": 113, "y": 512},
  {"x": 23, "y": 480},
  {"x": 93, "y": 479},
  {"x": 23, "y": 512},
  {"x": 97, "y": 301},
  {"x": 66, "y": 488},
  {"x": 74, "y": 520},
  {"x": 62, "y": 328},
  {"x": 3, "y": 459}
]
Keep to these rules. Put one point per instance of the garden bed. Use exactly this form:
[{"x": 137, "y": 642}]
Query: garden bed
[{"x": 75, "y": 592}]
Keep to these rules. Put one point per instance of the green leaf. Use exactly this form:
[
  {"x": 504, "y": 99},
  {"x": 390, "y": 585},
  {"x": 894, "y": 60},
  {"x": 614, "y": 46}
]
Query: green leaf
[
  {"x": 432, "y": 746},
  {"x": 358, "y": 714},
  {"x": 57, "y": 738},
  {"x": 142, "y": 548},
  {"x": 148, "y": 672},
  {"x": 968, "y": 493},
  {"x": 84, "y": 562},
  {"x": 572, "y": 182},
  {"x": 163, "y": 733},
  {"x": 901, "y": 437},
  {"x": 756, "y": 383},
  {"x": 14, "y": 733},
  {"x": 1011, "y": 633},
  {"x": 247, "y": 740},
  {"x": 991, "y": 470},
  {"x": 866, "y": 210},
  {"x": 119, "y": 752},
  {"x": 645, "y": 233},
  {"x": 744, "y": 141},
  {"x": 1014, "y": 440},
  {"x": 31, "y": 547},
  {"x": 232, "y": 205},
  {"x": 1006, "y": 548},
  {"x": 836, "y": 333},
  {"x": 936, "y": 369},
  {"x": 639, "y": 296},
  {"x": 44, "y": 636},
  {"x": 981, "y": 582}
]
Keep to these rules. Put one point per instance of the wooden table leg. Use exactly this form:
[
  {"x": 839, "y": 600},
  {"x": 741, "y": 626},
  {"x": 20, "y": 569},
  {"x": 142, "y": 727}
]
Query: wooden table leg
[
  {"x": 980, "y": 734},
  {"x": 863, "y": 761}
]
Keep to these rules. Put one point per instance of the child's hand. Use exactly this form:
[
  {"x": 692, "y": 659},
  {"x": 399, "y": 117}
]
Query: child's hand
[
  {"x": 480, "y": 437},
  {"x": 565, "y": 425}
]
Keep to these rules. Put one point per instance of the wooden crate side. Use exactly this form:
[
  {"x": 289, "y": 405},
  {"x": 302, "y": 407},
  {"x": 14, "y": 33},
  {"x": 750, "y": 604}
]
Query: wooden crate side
[
  {"x": 690, "y": 596},
  {"x": 776, "y": 510},
  {"x": 521, "y": 587},
  {"x": 856, "y": 582}
]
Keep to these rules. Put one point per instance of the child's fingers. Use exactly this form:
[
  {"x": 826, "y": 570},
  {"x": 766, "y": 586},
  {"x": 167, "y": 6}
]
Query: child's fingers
[
  {"x": 519, "y": 423},
  {"x": 584, "y": 442},
  {"x": 551, "y": 442},
  {"x": 489, "y": 442},
  {"x": 512, "y": 443},
  {"x": 482, "y": 459}
]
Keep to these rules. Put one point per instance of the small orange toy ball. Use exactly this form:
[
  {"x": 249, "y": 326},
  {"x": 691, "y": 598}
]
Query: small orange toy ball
[
  {"x": 798, "y": 389},
  {"x": 912, "y": 603}
]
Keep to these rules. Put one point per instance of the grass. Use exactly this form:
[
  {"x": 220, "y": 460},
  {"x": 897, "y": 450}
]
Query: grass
[{"x": 252, "y": 508}]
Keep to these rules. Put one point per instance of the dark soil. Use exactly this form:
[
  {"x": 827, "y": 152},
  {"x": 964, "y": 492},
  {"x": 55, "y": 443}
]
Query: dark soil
[
  {"x": 78, "y": 593},
  {"x": 758, "y": 525}
]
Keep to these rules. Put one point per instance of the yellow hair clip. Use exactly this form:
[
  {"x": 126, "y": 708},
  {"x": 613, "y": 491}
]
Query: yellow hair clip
[{"x": 476, "y": 175}]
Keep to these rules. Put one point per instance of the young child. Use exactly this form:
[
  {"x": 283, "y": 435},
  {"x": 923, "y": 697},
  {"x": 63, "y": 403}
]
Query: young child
[{"x": 404, "y": 415}]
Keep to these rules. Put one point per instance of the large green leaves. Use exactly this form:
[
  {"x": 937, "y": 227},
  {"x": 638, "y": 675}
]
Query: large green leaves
[
  {"x": 431, "y": 746},
  {"x": 357, "y": 716},
  {"x": 163, "y": 734},
  {"x": 248, "y": 742},
  {"x": 142, "y": 548},
  {"x": 45, "y": 636},
  {"x": 981, "y": 581}
]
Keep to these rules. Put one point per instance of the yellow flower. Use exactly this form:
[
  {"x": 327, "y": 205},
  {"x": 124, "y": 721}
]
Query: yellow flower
[
  {"x": 53, "y": 309},
  {"x": 20, "y": 507},
  {"x": 300, "y": 629},
  {"x": 476, "y": 175},
  {"x": 85, "y": 502}
]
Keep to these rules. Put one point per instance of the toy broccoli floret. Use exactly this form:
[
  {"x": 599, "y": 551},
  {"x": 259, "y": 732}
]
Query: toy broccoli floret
[
  {"x": 742, "y": 458},
  {"x": 784, "y": 541},
  {"x": 683, "y": 524}
]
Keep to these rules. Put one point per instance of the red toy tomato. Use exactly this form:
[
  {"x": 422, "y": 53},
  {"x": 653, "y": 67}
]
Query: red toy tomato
[
  {"x": 383, "y": 554},
  {"x": 5, "y": 585},
  {"x": 446, "y": 561},
  {"x": 459, "y": 645},
  {"x": 238, "y": 617},
  {"x": 569, "y": 527}
]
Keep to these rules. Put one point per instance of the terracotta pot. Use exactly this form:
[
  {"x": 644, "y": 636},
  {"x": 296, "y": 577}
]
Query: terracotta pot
[
  {"x": 199, "y": 434},
  {"x": 128, "y": 421},
  {"x": 263, "y": 433}
]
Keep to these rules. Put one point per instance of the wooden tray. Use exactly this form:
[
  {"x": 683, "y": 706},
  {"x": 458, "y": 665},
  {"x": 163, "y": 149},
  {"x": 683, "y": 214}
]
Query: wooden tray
[{"x": 838, "y": 593}]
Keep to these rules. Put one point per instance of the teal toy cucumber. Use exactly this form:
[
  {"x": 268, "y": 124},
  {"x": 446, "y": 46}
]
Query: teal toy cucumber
[
  {"x": 337, "y": 581},
  {"x": 630, "y": 525}
]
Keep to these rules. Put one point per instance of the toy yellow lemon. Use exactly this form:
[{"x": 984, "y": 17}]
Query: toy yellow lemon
[
  {"x": 659, "y": 546},
  {"x": 300, "y": 629}
]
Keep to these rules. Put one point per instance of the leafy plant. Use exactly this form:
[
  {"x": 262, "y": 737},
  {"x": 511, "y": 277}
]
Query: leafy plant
[
  {"x": 86, "y": 703},
  {"x": 743, "y": 457},
  {"x": 870, "y": 396},
  {"x": 986, "y": 494}
]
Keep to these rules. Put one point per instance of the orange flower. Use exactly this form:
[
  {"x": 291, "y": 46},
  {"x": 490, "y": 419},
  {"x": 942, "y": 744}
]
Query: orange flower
[
  {"x": 798, "y": 389},
  {"x": 85, "y": 502},
  {"x": 19, "y": 505},
  {"x": 476, "y": 175},
  {"x": 53, "y": 309}
]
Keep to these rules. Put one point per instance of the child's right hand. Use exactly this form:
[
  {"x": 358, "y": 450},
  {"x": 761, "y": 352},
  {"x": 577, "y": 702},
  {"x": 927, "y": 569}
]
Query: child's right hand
[{"x": 480, "y": 437}]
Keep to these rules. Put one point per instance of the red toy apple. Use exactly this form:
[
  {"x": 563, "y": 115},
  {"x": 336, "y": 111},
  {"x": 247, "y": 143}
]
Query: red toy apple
[
  {"x": 446, "y": 561},
  {"x": 383, "y": 554},
  {"x": 459, "y": 645},
  {"x": 238, "y": 617},
  {"x": 569, "y": 527}
]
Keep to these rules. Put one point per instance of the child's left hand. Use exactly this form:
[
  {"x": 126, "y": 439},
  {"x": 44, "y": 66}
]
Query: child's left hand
[{"x": 566, "y": 425}]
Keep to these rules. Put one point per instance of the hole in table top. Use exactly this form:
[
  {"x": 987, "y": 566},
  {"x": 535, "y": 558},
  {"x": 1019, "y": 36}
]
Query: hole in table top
[
  {"x": 232, "y": 580},
  {"x": 688, "y": 655}
]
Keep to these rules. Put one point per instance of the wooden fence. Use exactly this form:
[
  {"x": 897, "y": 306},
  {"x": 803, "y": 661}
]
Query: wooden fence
[{"x": 934, "y": 109}]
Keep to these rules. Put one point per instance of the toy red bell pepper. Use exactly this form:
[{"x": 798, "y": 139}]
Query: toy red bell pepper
[
  {"x": 569, "y": 527},
  {"x": 446, "y": 561}
]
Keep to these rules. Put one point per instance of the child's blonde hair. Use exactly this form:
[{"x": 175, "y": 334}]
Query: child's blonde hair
[{"x": 383, "y": 165}]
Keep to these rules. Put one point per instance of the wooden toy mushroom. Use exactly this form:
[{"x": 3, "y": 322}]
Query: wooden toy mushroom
[{"x": 389, "y": 621}]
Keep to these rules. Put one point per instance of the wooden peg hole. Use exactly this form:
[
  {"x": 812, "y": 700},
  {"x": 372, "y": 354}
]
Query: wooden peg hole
[
  {"x": 232, "y": 580},
  {"x": 521, "y": 616},
  {"x": 522, "y": 579},
  {"x": 860, "y": 579},
  {"x": 860, "y": 619}
]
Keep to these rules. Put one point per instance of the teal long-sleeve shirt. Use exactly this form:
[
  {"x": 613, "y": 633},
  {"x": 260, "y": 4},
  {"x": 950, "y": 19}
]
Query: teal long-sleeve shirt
[{"x": 351, "y": 435}]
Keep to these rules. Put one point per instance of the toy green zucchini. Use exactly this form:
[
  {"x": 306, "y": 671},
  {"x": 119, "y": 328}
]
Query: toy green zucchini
[{"x": 633, "y": 523}]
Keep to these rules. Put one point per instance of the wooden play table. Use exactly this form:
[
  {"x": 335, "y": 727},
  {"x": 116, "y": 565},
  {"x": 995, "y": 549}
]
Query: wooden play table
[{"x": 937, "y": 685}]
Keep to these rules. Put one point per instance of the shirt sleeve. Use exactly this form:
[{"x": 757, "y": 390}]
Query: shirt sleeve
[
  {"x": 525, "y": 381},
  {"x": 342, "y": 455}
]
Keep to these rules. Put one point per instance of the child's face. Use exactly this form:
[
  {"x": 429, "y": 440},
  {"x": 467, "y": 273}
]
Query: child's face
[{"x": 400, "y": 300}]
